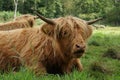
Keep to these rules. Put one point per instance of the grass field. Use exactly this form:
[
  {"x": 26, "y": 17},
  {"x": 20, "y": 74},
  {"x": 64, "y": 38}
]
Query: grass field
[{"x": 101, "y": 60}]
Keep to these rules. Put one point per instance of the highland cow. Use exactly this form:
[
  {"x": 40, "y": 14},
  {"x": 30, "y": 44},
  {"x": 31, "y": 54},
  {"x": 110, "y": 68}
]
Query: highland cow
[
  {"x": 23, "y": 21},
  {"x": 26, "y": 16},
  {"x": 55, "y": 47}
]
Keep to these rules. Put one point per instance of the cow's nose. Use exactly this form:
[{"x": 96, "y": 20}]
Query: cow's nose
[{"x": 80, "y": 46}]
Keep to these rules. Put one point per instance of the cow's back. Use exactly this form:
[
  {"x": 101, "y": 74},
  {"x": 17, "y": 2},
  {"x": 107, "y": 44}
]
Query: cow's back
[{"x": 13, "y": 43}]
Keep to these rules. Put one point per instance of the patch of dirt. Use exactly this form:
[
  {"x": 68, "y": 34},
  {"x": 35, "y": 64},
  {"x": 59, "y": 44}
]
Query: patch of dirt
[
  {"x": 100, "y": 67},
  {"x": 112, "y": 53}
]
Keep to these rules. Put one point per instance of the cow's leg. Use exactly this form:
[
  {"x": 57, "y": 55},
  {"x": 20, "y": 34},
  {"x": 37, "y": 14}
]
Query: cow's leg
[
  {"x": 39, "y": 69},
  {"x": 77, "y": 64},
  {"x": 74, "y": 63}
]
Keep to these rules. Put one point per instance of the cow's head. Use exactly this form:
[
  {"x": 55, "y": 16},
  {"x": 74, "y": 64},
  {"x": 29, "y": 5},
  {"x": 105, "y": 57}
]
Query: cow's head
[
  {"x": 26, "y": 16},
  {"x": 70, "y": 33}
]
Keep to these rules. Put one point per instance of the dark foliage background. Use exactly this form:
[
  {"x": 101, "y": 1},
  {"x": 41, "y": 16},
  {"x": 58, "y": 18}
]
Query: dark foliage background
[{"x": 85, "y": 9}]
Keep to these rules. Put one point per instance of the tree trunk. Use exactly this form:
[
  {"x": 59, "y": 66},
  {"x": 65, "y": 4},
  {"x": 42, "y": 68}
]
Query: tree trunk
[{"x": 16, "y": 3}]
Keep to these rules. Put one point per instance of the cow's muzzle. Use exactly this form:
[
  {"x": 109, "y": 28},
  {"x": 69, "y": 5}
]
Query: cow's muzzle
[{"x": 79, "y": 50}]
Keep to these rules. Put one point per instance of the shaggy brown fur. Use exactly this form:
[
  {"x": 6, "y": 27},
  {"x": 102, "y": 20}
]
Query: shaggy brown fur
[
  {"x": 23, "y": 21},
  {"x": 30, "y": 19},
  {"x": 26, "y": 16},
  {"x": 50, "y": 48}
]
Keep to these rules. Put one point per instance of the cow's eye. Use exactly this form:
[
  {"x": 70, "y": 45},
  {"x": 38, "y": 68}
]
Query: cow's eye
[{"x": 65, "y": 33}]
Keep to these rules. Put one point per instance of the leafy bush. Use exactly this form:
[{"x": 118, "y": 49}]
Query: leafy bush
[
  {"x": 113, "y": 16},
  {"x": 89, "y": 16},
  {"x": 7, "y": 15}
]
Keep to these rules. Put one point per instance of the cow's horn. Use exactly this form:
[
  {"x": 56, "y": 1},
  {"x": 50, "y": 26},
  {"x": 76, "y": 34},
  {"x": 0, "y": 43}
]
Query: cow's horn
[
  {"x": 93, "y": 21},
  {"x": 49, "y": 21}
]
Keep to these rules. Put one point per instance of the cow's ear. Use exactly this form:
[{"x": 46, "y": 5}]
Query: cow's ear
[
  {"x": 48, "y": 29},
  {"x": 89, "y": 31}
]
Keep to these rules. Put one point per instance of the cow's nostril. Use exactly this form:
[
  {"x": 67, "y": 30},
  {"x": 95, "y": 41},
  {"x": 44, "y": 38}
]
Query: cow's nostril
[{"x": 78, "y": 46}]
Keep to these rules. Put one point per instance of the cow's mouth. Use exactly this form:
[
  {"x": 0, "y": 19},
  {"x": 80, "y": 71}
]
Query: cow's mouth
[{"x": 79, "y": 52}]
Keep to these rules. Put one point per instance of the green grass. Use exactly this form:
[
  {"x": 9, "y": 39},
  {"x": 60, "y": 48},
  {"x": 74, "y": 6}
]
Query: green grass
[{"x": 98, "y": 44}]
